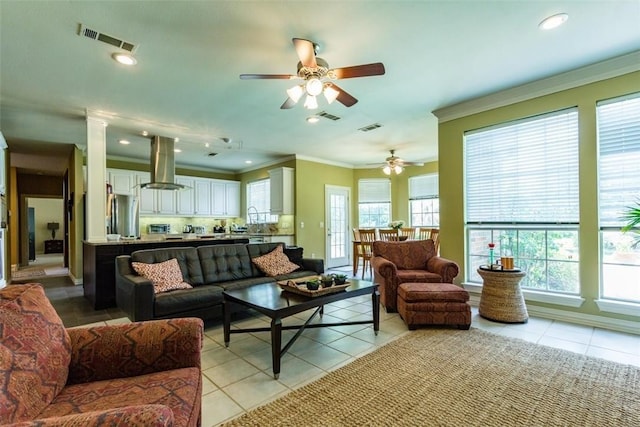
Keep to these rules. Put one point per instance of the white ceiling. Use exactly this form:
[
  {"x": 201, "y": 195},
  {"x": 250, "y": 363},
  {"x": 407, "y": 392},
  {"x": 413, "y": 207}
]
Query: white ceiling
[{"x": 190, "y": 54}]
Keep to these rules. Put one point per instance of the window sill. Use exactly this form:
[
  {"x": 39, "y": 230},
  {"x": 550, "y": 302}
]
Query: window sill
[
  {"x": 546, "y": 297},
  {"x": 618, "y": 307}
]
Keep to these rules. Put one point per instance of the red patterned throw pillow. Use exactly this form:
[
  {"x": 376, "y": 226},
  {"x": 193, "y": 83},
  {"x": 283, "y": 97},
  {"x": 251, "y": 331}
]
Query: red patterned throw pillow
[
  {"x": 275, "y": 263},
  {"x": 165, "y": 276}
]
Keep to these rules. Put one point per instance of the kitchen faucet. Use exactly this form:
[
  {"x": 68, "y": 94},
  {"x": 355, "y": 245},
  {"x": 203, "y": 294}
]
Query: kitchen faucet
[{"x": 250, "y": 214}]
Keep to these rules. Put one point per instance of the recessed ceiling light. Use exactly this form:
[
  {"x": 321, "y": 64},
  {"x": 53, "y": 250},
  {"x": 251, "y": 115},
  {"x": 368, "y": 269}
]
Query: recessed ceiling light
[
  {"x": 553, "y": 21},
  {"x": 177, "y": 150},
  {"x": 124, "y": 58},
  {"x": 145, "y": 133},
  {"x": 124, "y": 142},
  {"x": 248, "y": 162},
  {"x": 313, "y": 119}
]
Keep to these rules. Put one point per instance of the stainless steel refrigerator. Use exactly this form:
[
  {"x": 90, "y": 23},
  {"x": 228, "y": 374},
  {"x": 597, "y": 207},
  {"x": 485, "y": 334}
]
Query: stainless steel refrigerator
[{"x": 123, "y": 215}]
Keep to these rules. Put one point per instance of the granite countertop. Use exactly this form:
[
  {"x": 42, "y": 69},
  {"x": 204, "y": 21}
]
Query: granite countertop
[{"x": 150, "y": 241}]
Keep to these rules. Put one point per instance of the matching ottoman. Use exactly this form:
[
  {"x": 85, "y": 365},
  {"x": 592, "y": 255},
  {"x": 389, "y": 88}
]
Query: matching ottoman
[{"x": 434, "y": 304}]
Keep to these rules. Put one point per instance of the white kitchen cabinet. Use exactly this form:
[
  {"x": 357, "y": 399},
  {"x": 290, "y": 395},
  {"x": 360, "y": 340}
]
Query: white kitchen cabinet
[
  {"x": 122, "y": 181},
  {"x": 287, "y": 240},
  {"x": 233, "y": 198},
  {"x": 281, "y": 182},
  {"x": 186, "y": 198},
  {"x": 155, "y": 202},
  {"x": 225, "y": 198},
  {"x": 202, "y": 196}
]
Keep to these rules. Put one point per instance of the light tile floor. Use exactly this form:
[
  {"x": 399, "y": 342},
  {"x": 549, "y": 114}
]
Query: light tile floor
[{"x": 239, "y": 378}]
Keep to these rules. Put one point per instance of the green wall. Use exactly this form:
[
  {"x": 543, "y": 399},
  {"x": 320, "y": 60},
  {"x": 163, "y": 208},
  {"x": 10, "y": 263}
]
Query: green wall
[{"x": 450, "y": 148}]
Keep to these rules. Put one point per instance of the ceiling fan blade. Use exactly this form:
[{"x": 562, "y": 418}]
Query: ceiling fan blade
[
  {"x": 376, "y": 69},
  {"x": 346, "y": 99},
  {"x": 267, "y": 76},
  {"x": 306, "y": 52},
  {"x": 289, "y": 103}
]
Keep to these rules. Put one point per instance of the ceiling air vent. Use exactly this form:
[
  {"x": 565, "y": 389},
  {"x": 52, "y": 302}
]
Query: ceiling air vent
[
  {"x": 328, "y": 116},
  {"x": 212, "y": 154},
  {"x": 113, "y": 41},
  {"x": 371, "y": 127}
]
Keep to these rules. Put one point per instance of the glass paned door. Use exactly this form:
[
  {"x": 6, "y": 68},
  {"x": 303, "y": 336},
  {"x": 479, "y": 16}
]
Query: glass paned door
[{"x": 338, "y": 239}]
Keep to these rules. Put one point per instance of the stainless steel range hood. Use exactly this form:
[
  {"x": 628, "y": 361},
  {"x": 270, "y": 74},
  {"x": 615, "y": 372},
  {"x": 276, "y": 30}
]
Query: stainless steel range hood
[{"x": 163, "y": 167}]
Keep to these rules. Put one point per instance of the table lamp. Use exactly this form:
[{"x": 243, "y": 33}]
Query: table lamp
[{"x": 53, "y": 226}]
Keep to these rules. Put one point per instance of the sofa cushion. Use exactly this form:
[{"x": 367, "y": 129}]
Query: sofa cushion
[
  {"x": 178, "y": 389},
  {"x": 407, "y": 255},
  {"x": 187, "y": 259},
  {"x": 275, "y": 263},
  {"x": 171, "y": 303},
  {"x": 294, "y": 253},
  {"x": 165, "y": 276},
  {"x": 35, "y": 351},
  {"x": 258, "y": 249},
  {"x": 221, "y": 263}
]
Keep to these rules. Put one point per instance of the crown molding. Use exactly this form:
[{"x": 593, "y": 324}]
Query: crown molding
[
  {"x": 324, "y": 161},
  {"x": 607, "y": 69}
]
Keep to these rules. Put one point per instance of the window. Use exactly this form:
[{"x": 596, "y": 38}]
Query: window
[
  {"x": 619, "y": 187},
  {"x": 424, "y": 204},
  {"x": 374, "y": 202},
  {"x": 259, "y": 202},
  {"x": 522, "y": 194}
]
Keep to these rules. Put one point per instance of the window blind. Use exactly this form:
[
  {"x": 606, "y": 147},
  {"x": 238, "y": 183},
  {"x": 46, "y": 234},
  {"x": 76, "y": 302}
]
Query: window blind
[
  {"x": 259, "y": 195},
  {"x": 524, "y": 171},
  {"x": 619, "y": 157},
  {"x": 374, "y": 191},
  {"x": 423, "y": 187}
]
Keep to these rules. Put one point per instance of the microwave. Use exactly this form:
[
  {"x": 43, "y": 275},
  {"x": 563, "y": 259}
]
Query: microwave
[{"x": 159, "y": 228}]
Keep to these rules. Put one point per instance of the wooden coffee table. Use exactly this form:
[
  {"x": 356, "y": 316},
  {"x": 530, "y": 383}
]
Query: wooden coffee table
[{"x": 270, "y": 300}]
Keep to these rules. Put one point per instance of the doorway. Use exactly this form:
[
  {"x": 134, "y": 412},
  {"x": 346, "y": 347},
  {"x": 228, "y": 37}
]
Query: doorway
[
  {"x": 44, "y": 242},
  {"x": 337, "y": 220}
]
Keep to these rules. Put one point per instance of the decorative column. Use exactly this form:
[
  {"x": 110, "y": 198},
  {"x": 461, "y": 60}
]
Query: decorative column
[{"x": 96, "y": 208}]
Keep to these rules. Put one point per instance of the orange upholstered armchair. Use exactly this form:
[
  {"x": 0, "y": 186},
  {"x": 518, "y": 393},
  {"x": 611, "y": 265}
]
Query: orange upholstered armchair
[
  {"x": 145, "y": 373},
  {"x": 410, "y": 261}
]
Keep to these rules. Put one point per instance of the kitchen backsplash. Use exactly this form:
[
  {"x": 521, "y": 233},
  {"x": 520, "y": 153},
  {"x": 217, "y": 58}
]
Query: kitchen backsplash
[{"x": 285, "y": 224}]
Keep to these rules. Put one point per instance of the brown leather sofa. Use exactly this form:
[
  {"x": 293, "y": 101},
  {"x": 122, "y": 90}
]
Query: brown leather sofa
[
  {"x": 145, "y": 373},
  {"x": 411, "y": 261}
]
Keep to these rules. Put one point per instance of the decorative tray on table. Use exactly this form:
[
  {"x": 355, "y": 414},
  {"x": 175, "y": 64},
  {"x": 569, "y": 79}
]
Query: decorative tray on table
[{"x": 299, "y": 286}]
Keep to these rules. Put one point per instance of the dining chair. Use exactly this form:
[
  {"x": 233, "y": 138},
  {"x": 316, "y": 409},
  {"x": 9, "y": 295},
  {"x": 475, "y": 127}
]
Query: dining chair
[
  {"x": 357, "y": 250},
  {"x": 435, "y": 236},
  {"x": 424, "y": 233},
  {"x": 408, "y": 232},
  {"x": 388, "y": 234},
  {"x": 367, "y": 237}
]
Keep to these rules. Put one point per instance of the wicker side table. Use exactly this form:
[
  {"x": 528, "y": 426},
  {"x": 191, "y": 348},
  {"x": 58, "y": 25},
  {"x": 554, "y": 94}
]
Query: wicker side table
[{"x": 502, "y": 298}]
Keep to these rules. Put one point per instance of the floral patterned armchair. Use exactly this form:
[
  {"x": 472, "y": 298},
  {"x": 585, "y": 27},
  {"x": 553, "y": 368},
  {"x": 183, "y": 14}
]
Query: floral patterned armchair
[{"x": 410, "y": 261}]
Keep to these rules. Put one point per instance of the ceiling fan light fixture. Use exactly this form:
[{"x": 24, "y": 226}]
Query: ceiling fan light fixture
[
  {"x": 314, "y": 86},
  {"x": 398, "y": 169},
  {"x": 311, "y": 103},
  {"x": 387, "y": 170},
  {"x": 295, "y": 93},
  {"x": 330, "y": 93}
]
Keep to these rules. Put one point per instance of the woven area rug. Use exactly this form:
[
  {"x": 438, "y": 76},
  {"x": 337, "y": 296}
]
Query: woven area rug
[
  {"x": 462, "y": 378},
  {"x": 27, "y": 274}
]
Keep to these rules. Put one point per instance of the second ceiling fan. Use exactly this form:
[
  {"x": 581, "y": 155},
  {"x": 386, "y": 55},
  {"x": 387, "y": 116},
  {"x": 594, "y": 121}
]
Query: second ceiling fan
[{"x": 318, "y": 77}]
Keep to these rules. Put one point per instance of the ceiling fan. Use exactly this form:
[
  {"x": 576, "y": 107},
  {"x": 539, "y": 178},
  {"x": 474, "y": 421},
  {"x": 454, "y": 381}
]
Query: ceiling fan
[
  {"x": 317, "y": 77},
  {"x": 395, "y": 164}
]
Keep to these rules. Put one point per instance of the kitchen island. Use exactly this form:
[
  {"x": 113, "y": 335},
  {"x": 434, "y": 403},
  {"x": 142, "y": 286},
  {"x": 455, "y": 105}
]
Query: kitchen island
[{"x": 99, "y": 267}]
